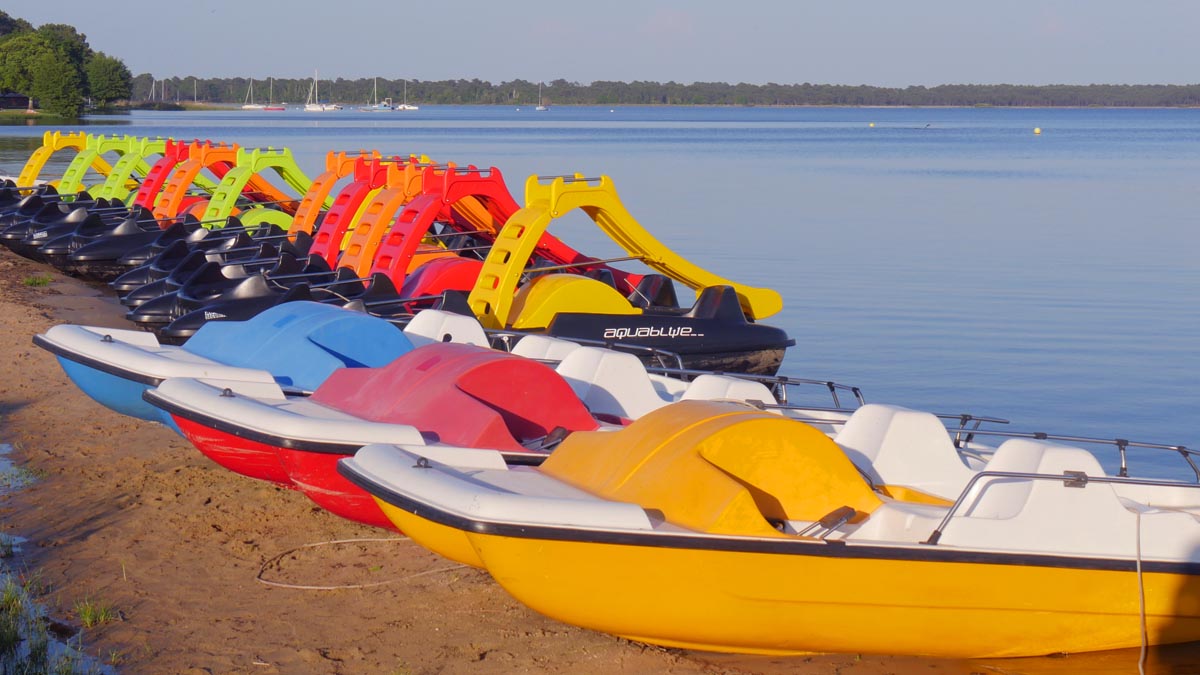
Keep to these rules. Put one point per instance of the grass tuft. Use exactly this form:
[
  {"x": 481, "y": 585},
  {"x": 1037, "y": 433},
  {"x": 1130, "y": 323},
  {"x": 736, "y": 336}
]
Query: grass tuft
[
  {"x": 94, "y": 612},
  {"x": 18, "y": 477},
  {"x": 26, "y": 647},
  {"x": 38, "y": 280}
]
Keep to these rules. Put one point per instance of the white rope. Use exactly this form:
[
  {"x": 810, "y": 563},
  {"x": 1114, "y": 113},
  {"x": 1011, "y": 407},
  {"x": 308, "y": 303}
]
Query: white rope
[
  {"x": 275, "y": 559},
  {"x": 1141, "y": 595}
]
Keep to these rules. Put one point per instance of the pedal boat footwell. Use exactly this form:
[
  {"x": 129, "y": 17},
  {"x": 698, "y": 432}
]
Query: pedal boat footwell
[{"x": 684, "y": 530}]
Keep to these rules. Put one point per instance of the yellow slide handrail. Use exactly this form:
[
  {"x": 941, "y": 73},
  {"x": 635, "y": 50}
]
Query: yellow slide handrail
[{"x": 52, "y": 142}]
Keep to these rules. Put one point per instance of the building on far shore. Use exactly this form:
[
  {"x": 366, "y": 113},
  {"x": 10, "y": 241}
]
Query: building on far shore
[{"x": 11, "y": 101}]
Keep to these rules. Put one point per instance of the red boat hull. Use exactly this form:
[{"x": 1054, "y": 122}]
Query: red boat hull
[
  {"x": 249, "y": 458},
  {"x": 315, "y": 474}
]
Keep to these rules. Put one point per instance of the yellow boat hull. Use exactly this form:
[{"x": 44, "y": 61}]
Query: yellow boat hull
[
  {"x": 448, "y": 542},
  {"x": 790, "y": 603},
  {"x": 675, "y": 531}
]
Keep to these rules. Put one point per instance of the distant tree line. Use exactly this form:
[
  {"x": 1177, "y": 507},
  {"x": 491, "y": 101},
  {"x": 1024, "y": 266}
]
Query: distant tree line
[
  {"x": 54, "y": 65},
  {"x": 562, "y": 92}
]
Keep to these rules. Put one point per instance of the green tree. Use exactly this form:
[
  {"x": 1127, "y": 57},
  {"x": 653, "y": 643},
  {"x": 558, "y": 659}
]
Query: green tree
[
  {"x": 10, "y": 27},
  {"x": 108, "y": 79},
  {"x": 73, "y": 43},
  {"x": 57, "y": 85},
  {"x": 17, "y": 56}
]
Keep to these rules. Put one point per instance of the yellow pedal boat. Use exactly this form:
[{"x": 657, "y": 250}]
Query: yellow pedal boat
[{"x": 716, "y": 526}]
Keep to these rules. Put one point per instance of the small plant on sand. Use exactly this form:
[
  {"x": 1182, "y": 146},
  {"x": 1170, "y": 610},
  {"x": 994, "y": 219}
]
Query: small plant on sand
[
  {"x": 18, "y": 477},
  {"x": 71, "y": 663},
  {"x": 24, "y": 640},
  {"x": 10, "y": 618},
  {"x": 7, "y": 546},
  {"x": 38, "y": 280},
  {"x": 94, "y": 612},
  {"x": 26, "y": 647}
]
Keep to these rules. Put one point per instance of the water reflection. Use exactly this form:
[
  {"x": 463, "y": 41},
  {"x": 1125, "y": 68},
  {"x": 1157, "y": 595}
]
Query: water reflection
[{"x": 50, "y": 123}]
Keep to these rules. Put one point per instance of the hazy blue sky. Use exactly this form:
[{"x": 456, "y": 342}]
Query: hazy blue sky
[{"x": 879, "y": 42}]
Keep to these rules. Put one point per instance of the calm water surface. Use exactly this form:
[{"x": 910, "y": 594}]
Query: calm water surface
[{"x": 946, "y": 259}]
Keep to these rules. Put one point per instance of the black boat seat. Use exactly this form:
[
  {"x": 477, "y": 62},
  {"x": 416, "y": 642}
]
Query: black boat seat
[
  {"x": 717, "y": 302},
  {"x": 602, "y": 274},
  {"x": 654, "y": 290}
]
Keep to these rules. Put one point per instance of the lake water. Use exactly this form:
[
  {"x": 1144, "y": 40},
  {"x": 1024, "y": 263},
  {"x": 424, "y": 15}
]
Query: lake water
[{"x": 945, "y": 259}]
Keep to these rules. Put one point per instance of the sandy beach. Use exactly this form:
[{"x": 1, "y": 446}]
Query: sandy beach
[{"x": 210, "y": 572}]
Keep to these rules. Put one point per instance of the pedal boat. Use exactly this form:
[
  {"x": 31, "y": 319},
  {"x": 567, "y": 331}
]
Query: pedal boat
[
  {"x": 721, "y": 331},
  {"x": 457, "y": 395},
  {"x": 710, "y": 525},
  {"x": 296, "y": 346}
]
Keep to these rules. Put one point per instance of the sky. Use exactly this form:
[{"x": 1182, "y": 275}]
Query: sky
[{"x": 874, "y": 42}]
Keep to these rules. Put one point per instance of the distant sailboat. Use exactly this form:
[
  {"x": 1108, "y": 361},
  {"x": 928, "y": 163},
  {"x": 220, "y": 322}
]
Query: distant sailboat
[
  {"x": 314, "y": 98},
  {"x": 311, "y": 104},
  {"x": 250, "y": 104},
  {"x": 541, "y": 106},
  {"x": 405, "y": 105},
  {"x": 271, "y": 105},
  {"x": 386, "y": 105}
]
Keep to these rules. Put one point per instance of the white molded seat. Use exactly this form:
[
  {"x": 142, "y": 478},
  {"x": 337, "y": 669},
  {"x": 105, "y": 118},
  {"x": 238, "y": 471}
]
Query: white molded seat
[
  {"x": 616, "y": 383},
  {"x": 544, "y": 347},
  {"x": 436, "y": 325},
  {"x": 1050, "y": 516},
  {"x": 610, "y": 382},
  {"x": 898, "y": 521},
  {"x": 898, "y": 446},
  {"x": 723, "y": 387}
]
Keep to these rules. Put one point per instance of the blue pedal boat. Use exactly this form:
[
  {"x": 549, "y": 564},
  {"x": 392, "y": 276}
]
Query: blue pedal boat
[{"x": 295, "y": 345}]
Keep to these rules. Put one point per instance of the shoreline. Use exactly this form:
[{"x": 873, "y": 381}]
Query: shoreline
[
  {"x": 188, "y": 106},
  {"x": 128, "y": 513}
]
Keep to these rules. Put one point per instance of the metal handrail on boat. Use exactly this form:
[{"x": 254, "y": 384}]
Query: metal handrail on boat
[
  {"x": 778, "y": 385},
  {"x": 1122, "y": 444},
  {"x": 963, "y": 418},
  {"x": 1075, "y": 479},
  {"x": 571, "y": 178}
]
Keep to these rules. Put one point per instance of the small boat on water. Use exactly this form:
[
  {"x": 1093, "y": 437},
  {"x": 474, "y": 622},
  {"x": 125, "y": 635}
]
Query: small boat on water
[
  {"x": 709, "y": 525},
  {"x": 314, "y": 104},
  {"x": 405, "y": 105},
  {"x": 271, "y": 105},
  {"x": 377, "y": 105},
  {"x": 250, "y": 104}
]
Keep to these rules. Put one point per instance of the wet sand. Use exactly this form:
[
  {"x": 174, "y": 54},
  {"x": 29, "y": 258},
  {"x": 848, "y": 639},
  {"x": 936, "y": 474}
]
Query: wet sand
[{"x": 128, "y": 513}]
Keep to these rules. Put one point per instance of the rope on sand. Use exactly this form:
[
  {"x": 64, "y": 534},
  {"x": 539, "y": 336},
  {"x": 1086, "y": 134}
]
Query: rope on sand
[{"x": 262, "y": 570}]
